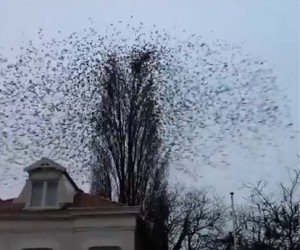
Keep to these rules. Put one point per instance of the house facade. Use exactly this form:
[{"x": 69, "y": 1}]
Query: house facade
[{"x": 52, "y": 213}]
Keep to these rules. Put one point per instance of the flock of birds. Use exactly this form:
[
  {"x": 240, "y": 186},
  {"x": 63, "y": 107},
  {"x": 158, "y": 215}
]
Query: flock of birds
[{"x": 211, "y": 95}]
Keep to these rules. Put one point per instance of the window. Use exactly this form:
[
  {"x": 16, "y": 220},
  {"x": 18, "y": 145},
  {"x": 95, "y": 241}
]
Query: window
[
  {"x": 37, "y": 194},
  {"x": 51, "y": 194},
  {"x": 44, "y": 194}
]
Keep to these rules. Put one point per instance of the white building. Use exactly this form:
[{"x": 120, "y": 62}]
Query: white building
[{"x": 52, "y": 213}]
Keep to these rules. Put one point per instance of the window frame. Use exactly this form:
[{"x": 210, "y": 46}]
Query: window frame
[
  {"x": 44, "y": 195},
  {"x": 40, "y": 193}
]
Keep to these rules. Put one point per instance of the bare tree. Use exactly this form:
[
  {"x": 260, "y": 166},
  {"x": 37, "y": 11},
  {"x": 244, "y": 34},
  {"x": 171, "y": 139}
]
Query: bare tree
[
  {"x": 274, "y": 221},
  {"x": 131, "y": 164},
  {"x": 195, "y": 221},
  {"x": 128, "y": 128}
]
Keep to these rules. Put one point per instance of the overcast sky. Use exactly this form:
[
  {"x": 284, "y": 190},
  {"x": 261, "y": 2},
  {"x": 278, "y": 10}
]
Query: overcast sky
[{"x": 266, "y": 29}]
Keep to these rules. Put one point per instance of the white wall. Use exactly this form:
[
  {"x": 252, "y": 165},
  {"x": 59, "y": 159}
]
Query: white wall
[{"x": 68, "y": 234}]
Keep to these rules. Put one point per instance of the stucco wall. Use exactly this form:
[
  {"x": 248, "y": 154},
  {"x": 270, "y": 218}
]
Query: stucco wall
[{"x": 69, "y": 234}]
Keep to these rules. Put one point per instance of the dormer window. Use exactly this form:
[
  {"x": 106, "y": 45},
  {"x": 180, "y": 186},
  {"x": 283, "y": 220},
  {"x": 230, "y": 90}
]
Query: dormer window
[{"x": 44, "y": 194}]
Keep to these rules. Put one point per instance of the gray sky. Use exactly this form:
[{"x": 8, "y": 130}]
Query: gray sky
[{"x": 267, "y": 29}]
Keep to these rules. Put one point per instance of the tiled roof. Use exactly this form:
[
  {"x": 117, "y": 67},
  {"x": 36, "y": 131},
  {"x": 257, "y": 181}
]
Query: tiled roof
[
  {"x": 81, "y": 200},
  {"x": 85, "y": 200},
  {"x": 7, "y": 206}
]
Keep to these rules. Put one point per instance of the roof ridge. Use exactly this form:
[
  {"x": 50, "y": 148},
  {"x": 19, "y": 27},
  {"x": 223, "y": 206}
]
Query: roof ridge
[{"x": 45, "y": 163}]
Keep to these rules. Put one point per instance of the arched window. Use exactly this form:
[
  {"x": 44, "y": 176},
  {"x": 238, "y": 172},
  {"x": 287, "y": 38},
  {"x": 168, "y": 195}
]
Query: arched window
[{"x": 105, "y": 248}]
